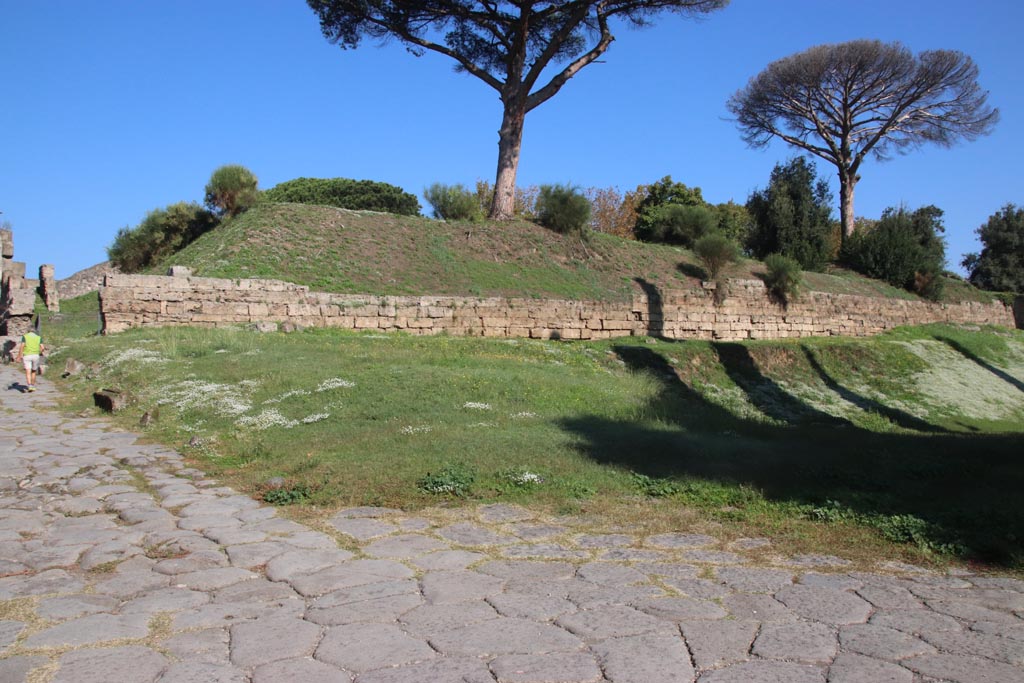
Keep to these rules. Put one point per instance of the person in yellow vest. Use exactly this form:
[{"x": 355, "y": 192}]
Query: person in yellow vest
[{"x": 29, "y": 350}]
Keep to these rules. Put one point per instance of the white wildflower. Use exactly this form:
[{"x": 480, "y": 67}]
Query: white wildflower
[
  {"x": 483, "y": 424},
  {"x": 315, "y": 417},
  {"x": 288, "y": 394},
  {"x": 409, "y": 429},
  {"x": 133, "y": 356},
  {"x": 476, "y": 406},
  {"x": 334, "y": 383},
  {"x": 266, "y": 420},
  {"x": 222, "y": 399},
  {"x": 522, "y": 415}
]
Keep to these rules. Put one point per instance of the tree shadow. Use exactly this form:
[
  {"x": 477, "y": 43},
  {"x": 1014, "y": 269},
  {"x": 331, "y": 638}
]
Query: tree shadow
[
  {"x": 970, "y": 355},
  {"x": 966, "y": 487},
  {"x": 655, "y": 309},
  {"x": 691, "y": 270},
  {"x": 897, "y": 417}
]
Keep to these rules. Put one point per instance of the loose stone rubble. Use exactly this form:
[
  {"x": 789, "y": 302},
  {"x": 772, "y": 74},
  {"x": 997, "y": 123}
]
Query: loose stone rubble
[{"x": 119, "y": 562}]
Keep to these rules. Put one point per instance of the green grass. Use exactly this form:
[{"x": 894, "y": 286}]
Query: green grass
[
  {"x": 863, "y": 448},
  {"x": 336, "y": 250}
]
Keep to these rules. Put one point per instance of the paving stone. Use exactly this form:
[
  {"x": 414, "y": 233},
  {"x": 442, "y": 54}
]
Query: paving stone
[
  {"x": 962, "y": 609},
  {"x": 253, "y": 555},
  {"x": 751, "y": 580},
  {"x": 48, "y": 581},
  {"x": 668, "y": 570},
  {"x": 130, "y": 663},
  {"x": 72, "y": 606},
  {"x": 505, "y": 635},
  {"x": 467, "y": 533},
  {"x": 611, "y": 622},
  {"x": 501, "y": 513},
  {"x": 304, "y": 669},
  {"x": 643, "y": 659},
  {"x": 765, "y": 672},
  {"x": 459, "y": 586},
  {"x": 880, "y": 642},
  {"x": 297, "y": 562},
  {"x": 914, "y": 621},
  {"x": 841, "y": 582},
  {"x": 366, "y": 511},
  {"x": 603, "y": 540},
  {"x": 713, "y": 557},
  {"x": 854, "y": 668},
  {"x": 607, "y": 574},
  {"x": 208, "y": 645},
  {"x": 719, "y": 643},
  {"x": 757, "y": 607},
  {"x": 825, "y": 605},
  {"x": 527, "y": 569},
  {"x": 171, "y": 599},
  {"x": 232, "y": 536},
  {"x": 998, "y": 628},
  {"x": 446, "y": 560},
  {"x": 384, "y": 610},
  {"x": 557, "y": 667},
  {"x": 810, "y": 643},
  {"x": 207, "y": 672},
  {"x": 348, "y": 574},
  {"x": 677, "y": 541},
  {"x": 9, "y": 630},
  {"x": 212, "y": 579},
  {"x": 364, "y": 647},
  {"x": 547, "y": 551},
  {"x": 427, "y": 619},
  {"x": 751, "y": 543},
  {"x": 817, "y": 561},
  {"x": 193, "y": 562},
  {"x": 272, "y": 638},
  {"x": 404, "y": 546},
  {"x": 680, "y": 609},
  {"x": 256, "y": 590},
  {"x": 962, "y": 669},
  {"x": 702, "y": 589},
  {"x": 1005, "y": 583},
  {"x": 448, "y": 670},
  {"x": 631, "y": 555},
  {"x": 219, "y": 615},
  {"x": 361, "y": 528},
  {"x": 537, "y": 532},
  {"x": 588, "y": 596},
  {"x": 91, "y": 629},
  {"x": 16, "y": 669},
  {"x": 979, "y": 644},
  {"x": 541, "y": 608}
]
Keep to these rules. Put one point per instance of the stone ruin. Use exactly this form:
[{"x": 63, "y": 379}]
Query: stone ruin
[{"x": 18, "y": 293}]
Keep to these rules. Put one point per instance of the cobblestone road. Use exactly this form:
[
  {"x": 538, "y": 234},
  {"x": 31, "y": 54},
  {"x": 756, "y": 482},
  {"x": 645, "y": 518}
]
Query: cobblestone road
[{"x": 120, "y": 563}]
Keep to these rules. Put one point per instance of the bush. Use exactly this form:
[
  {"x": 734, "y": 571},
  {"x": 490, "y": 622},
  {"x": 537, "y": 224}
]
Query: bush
[
  {"x": 232, "y": 189},
  {"x": 563, "y": 208},
  {"x": 784, "y": 277},
  {"x": 715, "y": 252},
  {"x": 453, "y": 202},
  {"x": 160, "y": 234},
  {"x": 1000, "y": 265},
  {"x": 903, "y": 248},
  {"x": 357, "y": 195},
  {"x": 679, "y": 224}
]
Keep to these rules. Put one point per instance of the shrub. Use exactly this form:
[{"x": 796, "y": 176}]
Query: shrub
[
  {"x": 455, "y": 479},
  {"x": 453, "y": 202},
  {"x": 357, "y": 195},
  {"x": 904, "y": 249},
  {"x": 784, "y": 277},
  {"x": 681, "y": 224},
  {"x": 160, "y": 234},
  {"x": 715, "y": 252},
  {"x": 563, "y": 208},
  {"x": 1000, "y": 265},
  {"x": 232, "y": 189},
  {"x": 525, "y": 206}
]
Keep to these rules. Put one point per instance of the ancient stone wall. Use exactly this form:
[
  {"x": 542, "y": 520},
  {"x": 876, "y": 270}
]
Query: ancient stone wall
[
  {"x": 85, "y": 281},
  {"x": 128, "y": 301}
]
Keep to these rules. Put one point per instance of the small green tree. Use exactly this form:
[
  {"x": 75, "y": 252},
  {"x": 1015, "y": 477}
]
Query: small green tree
[
  {"x": 1000, "y": 265},
  {"x": 733, "y": 220},
  {"x": 232, "y": 189},
  {"x": 792, "y": 216},
  {"x": 160, "y": 234},
  {"x": 345, "y": 193},
  {"x": 657, "y": 221},
  {"x": 564, "y": 209},
  {"x": 904, "y": 248},
  {"x": 453, "y": 202},
  {"x": 783, "y": 278},
  {"x": 715, "y": 252}
]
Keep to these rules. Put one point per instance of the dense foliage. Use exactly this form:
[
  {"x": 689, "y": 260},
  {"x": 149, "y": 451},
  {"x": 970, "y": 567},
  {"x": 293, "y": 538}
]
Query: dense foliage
[
  {"x": 1000, "y": 265},
  {"x": 232, "y": 189},
  {"x": 563, "y": 208},
  {"x": 715, "y": 252},
  {"x": 783, "y": 278},
  {"x": 453, "y": 202},
  {"x": 161, "y": 233},
  {"x": 904, "y": 248},
  {"x": 358, "y": 195},
  {"x": 792, "y": 216}
]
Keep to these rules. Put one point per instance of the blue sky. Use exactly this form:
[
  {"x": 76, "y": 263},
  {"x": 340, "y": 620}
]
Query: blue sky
[{"x": 112, "y": 108}]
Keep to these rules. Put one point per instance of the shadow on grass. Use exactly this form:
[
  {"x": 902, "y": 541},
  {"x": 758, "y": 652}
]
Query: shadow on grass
[
  {"x": 966, "y": 488},
  {"x": 971, "y": 356}
]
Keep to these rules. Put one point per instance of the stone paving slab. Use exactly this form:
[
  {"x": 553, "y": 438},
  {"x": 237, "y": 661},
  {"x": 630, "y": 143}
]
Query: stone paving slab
[{"x": 183, "y": 579}]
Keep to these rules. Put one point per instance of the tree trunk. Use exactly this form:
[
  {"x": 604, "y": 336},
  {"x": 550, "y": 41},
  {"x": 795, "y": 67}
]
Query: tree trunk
[
  {"x": 847, "y": 182},
  {"x": 510, "y": 140}
]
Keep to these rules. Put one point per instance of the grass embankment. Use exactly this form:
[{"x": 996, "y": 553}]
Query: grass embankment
[
  {"x": 336, "y": 250},
  {"x": 905, "y": 446}
]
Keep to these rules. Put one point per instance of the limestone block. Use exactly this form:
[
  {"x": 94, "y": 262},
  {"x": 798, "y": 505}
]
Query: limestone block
[
  {"x": 179, "y": 271},
  {"x": 21, "y": 301},
  {"x": 363, "y": 322},
  {"x": 6, "y": 244}
]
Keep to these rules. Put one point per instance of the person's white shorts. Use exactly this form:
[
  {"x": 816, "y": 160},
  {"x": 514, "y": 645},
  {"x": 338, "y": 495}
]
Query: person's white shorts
[{"x": 31, "y": 362}]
